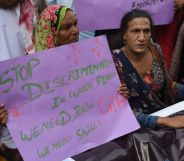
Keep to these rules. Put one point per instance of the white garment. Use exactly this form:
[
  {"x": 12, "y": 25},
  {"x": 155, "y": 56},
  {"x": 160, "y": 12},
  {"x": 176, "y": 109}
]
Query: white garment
[
  {"x": 5, "y": 138},
  {"x": 51, "y": 2},
  {"x": 69, "y": 159},
  {"x": 11, "y": 41},
  {"x": 86, "y": 35},
  {"x": 68, "y": 3},
  {"x": 11, "y": 46}
]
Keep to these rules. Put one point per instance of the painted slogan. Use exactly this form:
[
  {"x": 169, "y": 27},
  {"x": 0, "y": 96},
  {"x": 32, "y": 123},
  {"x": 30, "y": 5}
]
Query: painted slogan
[
  {"x": 107, "y": 14},
  {"x": 64, "y": 101}
]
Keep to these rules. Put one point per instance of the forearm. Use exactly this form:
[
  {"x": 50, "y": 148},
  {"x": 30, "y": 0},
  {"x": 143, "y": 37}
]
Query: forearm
[
  {"x": 163, "y": 121},
  {"x": 173, "y": 122}
]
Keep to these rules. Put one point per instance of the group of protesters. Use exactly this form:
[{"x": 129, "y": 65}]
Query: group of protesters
[{"x": 139, "y": 60}]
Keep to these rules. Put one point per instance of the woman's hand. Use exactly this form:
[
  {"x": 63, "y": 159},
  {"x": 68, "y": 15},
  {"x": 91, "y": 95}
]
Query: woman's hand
[
  {"x": 123, "y": 90},
  {"x": 3, "y": 114},
  {"x": 174, "y": 122}
]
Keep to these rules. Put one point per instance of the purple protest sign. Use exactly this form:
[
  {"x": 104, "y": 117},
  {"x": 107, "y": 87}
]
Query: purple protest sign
[
  {"x": 64, "y": 101},
  {"x": 107, "y": 14}
]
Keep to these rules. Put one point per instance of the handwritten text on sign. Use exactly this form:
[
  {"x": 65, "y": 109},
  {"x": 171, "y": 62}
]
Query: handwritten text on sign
[
  {"x": 107, "y": 14},
  {"x": 62, "y": 99}
]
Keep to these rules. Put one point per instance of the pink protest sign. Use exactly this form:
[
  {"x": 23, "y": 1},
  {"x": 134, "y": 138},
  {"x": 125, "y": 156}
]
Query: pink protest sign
[
  {"x": 107, "y": 14},
  {"x": 64, "y": 101}
]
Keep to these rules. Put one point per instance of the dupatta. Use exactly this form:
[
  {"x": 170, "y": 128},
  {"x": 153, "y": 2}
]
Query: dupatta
[{"x": 142, "y": 98}]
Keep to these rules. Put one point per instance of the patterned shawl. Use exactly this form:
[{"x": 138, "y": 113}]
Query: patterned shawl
[
  {"x": 142, "y": 98},
  {"x": 177, "y": 54},
  {"x": 47, "y": 27}
]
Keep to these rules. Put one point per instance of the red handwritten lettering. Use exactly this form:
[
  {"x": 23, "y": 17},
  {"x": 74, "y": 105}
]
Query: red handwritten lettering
[{"x": 111, "y": 105}]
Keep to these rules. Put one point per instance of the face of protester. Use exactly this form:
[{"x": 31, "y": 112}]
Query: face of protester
[
  {"x": 68, "y": 32},
  {"x": 138, "y": 35}
]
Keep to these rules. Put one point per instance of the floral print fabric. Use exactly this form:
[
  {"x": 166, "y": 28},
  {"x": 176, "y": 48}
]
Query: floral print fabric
[
  {"x": 47, "y": 27},
  {"x": 150, "y": 92}
]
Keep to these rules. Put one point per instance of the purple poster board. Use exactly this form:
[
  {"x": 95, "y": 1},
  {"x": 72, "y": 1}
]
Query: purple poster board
[
  {"x": 107, "y": 14},
  {"x": 64, "y": 101}
]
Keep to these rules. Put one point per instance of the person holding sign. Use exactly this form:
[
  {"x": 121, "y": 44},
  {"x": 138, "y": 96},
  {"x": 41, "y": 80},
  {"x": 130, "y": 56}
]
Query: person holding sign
[
  {"x": 177, "y": 66},
  {"x": 56, "y": 26},
  {"x": 142, "y": 71},
  {"x": 16, "y": 26},
  {"x": 166, "y": 35},
  {"x": 148, "y": 88}
]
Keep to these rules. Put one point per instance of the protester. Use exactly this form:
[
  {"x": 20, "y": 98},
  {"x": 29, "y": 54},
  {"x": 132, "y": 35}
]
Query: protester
[
  {"x": 16, "y": 26},
  {"x": 70, "y": 3},
  {"x": 166, "y": 34},
  {"x": 56, "y": 26},
  {"x": 148, "y": 88},
  {"x": 141, "y": 67},
  {"x": 177, "y": 66}
]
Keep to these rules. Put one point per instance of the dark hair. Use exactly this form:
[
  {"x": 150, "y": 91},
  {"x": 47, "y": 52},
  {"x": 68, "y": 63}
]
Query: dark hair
[
  {"x": 114, "y": 37},
  {"x": 136, "y": 13},
  {"x": 41, "y": 4},
  {"x": 9, "y": 4}
]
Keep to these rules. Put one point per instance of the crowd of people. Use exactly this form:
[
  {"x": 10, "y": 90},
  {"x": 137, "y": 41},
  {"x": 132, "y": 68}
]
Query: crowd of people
[{"x": 143, "y": 70}]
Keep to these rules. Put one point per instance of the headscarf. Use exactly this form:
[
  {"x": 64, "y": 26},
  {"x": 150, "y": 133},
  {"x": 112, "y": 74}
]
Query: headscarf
[
  {"x": 26, "y": 19},
  {"x": 47, "y": 27}
]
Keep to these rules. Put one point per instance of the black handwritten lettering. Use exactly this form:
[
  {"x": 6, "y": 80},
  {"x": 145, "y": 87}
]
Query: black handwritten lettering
[
  {"x": 81, "y": 90},
  {"x": 61, "y": 143},
  {"x": 34, "y": 90},
  {"x": 8, "y": 81},
  {"x": 48, "y": 87},
  {"x": 34, "y": 133},
  {"x": 80, "y": 109},
  {"x": 60, "y": 81},
  {"x": 74, "y": 75},
  {"x": 146, "y": 3},
  {"x": 66, "y": 117},
  {"x": 90, "y": 127},
  {"x": 24, "y": 71},
  {"x": 89, "y": 70},
  {"x": 32, "y": 64},
  {"x": 43, "y": 153},
  {"x": 62, "y": 119},
  {"x": 100, "y": 80},
  {"x": 15, "y": 69},
  {"x": 57, "y": 101}
]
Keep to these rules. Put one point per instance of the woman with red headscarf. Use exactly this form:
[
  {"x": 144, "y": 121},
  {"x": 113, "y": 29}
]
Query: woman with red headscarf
[{"x": 56, "y": 26}]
